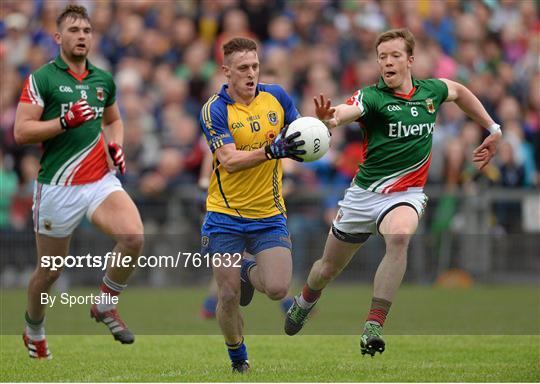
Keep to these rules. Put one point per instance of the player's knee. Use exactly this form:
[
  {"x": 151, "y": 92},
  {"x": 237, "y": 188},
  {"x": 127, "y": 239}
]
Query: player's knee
[
  {"x": 48, "y": 275},
  {"x": 277, "y": 292},
  {"x": 133, "y": 242},
  {"x": 399, "y": 240}
]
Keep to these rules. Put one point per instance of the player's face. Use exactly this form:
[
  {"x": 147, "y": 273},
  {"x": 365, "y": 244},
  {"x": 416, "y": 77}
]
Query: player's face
[
  {"x": 394, "y": 64},
  {"x": 75, "y": 38},
  {"x": 242, "y": 72}
]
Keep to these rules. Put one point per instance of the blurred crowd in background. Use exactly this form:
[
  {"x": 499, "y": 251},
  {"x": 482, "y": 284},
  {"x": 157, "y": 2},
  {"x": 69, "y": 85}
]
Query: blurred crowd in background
[{"x": 166, "y": 55}]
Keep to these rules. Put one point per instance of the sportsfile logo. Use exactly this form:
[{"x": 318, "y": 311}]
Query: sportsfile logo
[{"x": 114, "y": 259}]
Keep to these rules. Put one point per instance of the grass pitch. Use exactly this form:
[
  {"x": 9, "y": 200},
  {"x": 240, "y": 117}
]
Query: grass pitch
[
  {"x": 424, "y": 336},
  {"x": 277, "y": 359}
]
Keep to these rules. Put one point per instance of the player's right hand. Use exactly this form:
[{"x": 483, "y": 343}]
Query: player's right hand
[
  {"x": 79, "y": 113},
  {"x": 284, "y": 146},
  {"x": 324, "y": 111}
]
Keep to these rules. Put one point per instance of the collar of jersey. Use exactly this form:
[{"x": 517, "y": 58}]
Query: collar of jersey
[
  {"x": 60, "y": 63},
  {"x": 383, "y": 87},
  {"x": 228, "y": 99}
]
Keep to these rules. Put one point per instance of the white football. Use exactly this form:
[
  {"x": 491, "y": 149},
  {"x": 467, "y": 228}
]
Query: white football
[{"x": 314, "y": 133}]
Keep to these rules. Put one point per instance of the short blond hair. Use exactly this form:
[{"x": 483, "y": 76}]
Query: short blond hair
[
  {"x": 239, "y": 44},
  {"x": 401, "y": 33}
]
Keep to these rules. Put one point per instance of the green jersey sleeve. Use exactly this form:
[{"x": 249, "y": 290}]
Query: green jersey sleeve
[
  {"x": 439, "y": 88},
  {"x": 111, "y": 86},
  {"x": 36, "y": 89},
  {"x": 364, "y": 100}
]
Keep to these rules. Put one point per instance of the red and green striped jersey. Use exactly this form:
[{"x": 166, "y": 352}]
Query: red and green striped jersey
[
  {"x": 78, "y": 155},
  {"x": 398, "y": 132}
]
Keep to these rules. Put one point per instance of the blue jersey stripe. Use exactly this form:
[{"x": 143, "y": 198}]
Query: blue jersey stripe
[{"x": 221, "y": 187}]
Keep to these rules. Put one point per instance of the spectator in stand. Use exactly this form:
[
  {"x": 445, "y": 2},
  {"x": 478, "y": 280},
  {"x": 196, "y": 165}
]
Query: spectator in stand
[
  {"x": 440, "y": 26},
  {"x": 282, "y": 34},
  {"x": 235, "y": 24},
  {"x": 8, "y": 190},
  {"x": 166, "y": 58}
]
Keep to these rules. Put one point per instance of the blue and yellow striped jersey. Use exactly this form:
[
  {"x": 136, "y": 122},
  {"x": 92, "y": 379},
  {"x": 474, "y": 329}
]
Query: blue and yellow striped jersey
[{"x": 252, "y": 193}]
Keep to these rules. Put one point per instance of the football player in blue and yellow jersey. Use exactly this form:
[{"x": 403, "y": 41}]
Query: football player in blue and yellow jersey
[{"x": 243, "y": 125}]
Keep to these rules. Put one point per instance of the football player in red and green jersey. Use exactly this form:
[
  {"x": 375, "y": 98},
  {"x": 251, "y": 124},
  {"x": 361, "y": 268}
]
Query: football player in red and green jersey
[
  {"x": 397, "y": 116},
  {"x": 64, "y": 105}
]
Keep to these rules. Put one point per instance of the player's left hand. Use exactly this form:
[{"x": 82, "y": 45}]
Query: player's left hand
[
  {"x": 285, "y": 146},
  {"x": 117, "y": 155},
  {"x": 485, "y": 151}
]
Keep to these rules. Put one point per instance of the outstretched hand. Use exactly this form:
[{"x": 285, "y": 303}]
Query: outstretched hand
[
  {"x": 324, "y": 111},
  {"x": 485, "y": 151}
]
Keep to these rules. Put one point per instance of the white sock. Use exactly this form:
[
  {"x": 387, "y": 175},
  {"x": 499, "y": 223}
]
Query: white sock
[
  {"x": 303, "y": 303},
  {"x": 373, "y": 322},
  {"x": 35, "y": 333},
  {"x": 112, "y": 286},
  {"x": 105, "y": 306}
]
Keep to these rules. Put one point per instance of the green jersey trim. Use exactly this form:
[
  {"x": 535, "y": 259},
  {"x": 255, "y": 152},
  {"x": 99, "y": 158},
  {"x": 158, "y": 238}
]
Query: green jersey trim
[
  {"x": 389, "y": 180},
  {"x": 65, "y": 174},
  {"x": 34, "y": 93},
  {"x": 60, "y": 63}
]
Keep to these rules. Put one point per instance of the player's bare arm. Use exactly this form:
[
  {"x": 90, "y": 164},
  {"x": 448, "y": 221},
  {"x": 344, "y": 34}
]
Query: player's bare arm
[
  {"x": 29, "y": 129},
  {"x": 470, "y": 104},
  {"x": 341, "y": 114},
  {"x": 234, "y": 160},
  {"x": 206, "y": 169},
  {"x": 115, "y": 136},
  {"x": 112, "y": 124},
  {"x": 283, "y": 146}
]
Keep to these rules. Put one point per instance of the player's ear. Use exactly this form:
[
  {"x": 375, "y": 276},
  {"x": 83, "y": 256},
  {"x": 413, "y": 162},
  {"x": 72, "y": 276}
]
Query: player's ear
[
  {"x": 57, "y": 38},
  {"x": 410, "y": 60},
  {"x": 226, "y": 71}
]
